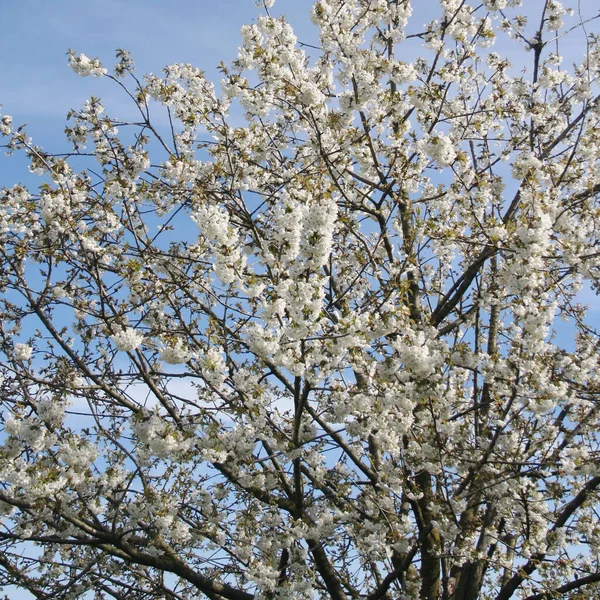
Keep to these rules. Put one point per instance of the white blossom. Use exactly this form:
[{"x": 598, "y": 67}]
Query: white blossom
[
  {"x": 127, "y": 340},
  {"x": 23, "y": 351},
  {"x": 84, "y": 66},
  {"x": 440, "y": 149},
  {"x": 175, "y": 354}
]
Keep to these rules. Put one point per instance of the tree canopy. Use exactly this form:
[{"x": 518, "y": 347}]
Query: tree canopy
[{"x": 319, "y": 332}]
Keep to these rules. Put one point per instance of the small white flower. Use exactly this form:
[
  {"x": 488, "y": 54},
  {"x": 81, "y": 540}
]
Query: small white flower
[
  {"x": 6, "y": 125},
  {"x": 23, "y": 351},
  {"x": 84, "y": 65},
  {"x": 310, "y": 94},
  {"x": 495, "y": 4},
  {"x": 127, "y": 340},
  {"x": 175, "y": 355},
  {"x": 214, "y": 366},
  {"x": 59, "y": 292},
  {"x": 403, "y": 72},
  {"x": 440, "y": 148}
]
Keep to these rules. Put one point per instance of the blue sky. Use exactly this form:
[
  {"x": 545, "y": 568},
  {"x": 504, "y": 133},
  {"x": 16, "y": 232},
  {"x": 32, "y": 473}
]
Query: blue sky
[{"x": 38, "y": 88}]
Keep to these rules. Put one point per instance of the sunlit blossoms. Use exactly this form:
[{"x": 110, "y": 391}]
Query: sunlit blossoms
[
  {"x": 127, "y": 340},
  {"x": 325, "y": 329},
  {"x": 175, "y": 354},
  {"x": 23, "y": 351},
  {"x": 440, "y": 149},
  {"x": 84, "y": 65}
]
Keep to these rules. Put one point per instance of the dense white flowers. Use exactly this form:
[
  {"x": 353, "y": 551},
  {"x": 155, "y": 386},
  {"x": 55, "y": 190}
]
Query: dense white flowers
[
  {"x": 495, "y": 4},
  {"x": 23, "y": 351},
  {"x": 403, "y": 72},
  {"x": 554, "y": 15},
  {"x": 525, "y": 164},
  {"x": 5, "y": 124},
  {"x": 127, "y": 340},
  {"x": 84, "y": 66},
  {"x": 441, "y": 149},
  {"x": 214, "y": 225},
  {"x": 175, "y": 354},
  {"x": 420, "y": 356},
  {"x": 214, "y": 367},
  {"x": 318, "y": 226}
]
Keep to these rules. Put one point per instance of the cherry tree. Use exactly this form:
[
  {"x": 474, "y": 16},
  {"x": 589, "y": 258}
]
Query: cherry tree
[{"x": 319, "y": 332}]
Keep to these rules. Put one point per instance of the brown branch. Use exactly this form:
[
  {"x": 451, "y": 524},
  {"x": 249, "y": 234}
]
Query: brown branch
[
  {"x": 567, "y": 587},
  {"x": 326, "y": 570}
]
